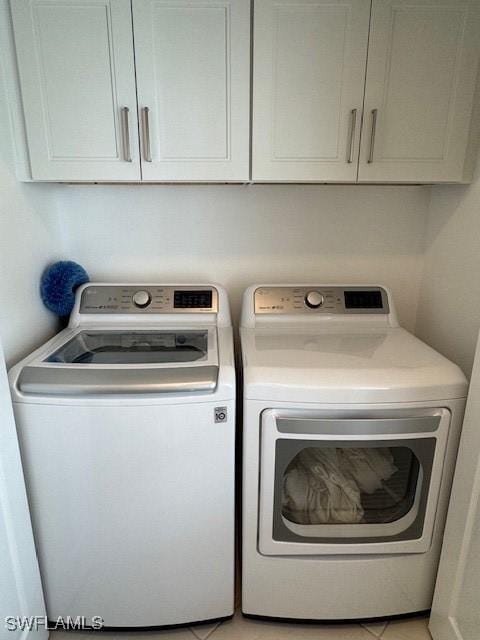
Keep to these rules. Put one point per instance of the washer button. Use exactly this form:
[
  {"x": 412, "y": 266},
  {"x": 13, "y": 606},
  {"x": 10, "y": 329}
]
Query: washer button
[{"x": 141, "y": 299}]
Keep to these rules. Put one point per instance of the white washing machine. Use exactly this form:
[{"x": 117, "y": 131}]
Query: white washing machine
[
  {"x": 126, "y": 421},
  {"x": 351, "y": 427}
]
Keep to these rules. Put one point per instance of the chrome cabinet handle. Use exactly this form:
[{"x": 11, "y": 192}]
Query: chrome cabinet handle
[
  {"x": 127, "y": 156},
  {"x": 146, "y": 135},
  {"x": 353, "y": 126},
  {"x": 372, "y": 135}
]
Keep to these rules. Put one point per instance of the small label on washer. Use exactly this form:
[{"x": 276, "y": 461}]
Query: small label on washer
[{"x": 220, "y": 414}]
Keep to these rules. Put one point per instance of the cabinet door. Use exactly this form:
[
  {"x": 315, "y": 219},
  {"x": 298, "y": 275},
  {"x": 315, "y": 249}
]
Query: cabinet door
[
  {"x": 422, "y": 67},
  {"x": 193, "y": 64},
  {"x": 77, "y": 78},
  {"x": 309, "y": 73}
]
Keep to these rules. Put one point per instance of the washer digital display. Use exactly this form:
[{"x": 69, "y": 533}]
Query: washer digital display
[{"x": 194, "y": 299}]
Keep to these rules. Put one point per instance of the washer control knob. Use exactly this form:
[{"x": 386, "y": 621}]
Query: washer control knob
[
  {"x": 314, "y": 299},
  {"x": 141, "y": 299}
]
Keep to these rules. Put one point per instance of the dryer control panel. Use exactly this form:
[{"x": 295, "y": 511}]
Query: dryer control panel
[
  {"x": 148, "y": 299},
  {"x": 330, "y": 300}
]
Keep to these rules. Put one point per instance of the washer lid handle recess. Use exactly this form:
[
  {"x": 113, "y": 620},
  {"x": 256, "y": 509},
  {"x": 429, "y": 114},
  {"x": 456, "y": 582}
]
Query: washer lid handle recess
[{"x": 80, "y": 382}]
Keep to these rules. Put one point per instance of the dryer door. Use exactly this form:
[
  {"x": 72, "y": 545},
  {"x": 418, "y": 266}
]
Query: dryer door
[{"x": 355, "y": 484}]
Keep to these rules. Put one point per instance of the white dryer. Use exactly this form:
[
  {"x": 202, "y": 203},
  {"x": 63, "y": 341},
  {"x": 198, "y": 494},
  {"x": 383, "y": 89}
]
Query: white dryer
[
  {"x": 351, "y": 427},
  {"x": 126, "y": 422}
]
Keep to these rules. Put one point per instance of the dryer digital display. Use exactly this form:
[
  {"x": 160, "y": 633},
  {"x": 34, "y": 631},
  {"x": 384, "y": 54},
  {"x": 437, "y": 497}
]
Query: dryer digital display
[{"x": 357, "y": 299}]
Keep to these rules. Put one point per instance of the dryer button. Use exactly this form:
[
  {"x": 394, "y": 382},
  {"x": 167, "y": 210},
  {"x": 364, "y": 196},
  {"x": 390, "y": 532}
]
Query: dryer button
[{"x": 314, "y": 299}]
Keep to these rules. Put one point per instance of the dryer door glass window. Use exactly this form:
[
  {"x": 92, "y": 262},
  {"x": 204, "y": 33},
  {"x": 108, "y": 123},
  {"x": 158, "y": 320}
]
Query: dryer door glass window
[
  {"x": 133, "y": 347},
  {"x": 346, "y": 485},
  {"x": 348, "y": 491}
]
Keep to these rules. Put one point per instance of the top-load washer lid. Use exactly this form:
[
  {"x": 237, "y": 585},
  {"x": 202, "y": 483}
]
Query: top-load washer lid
[
  {"x": 111, "y": 361},
  {"x": 132, "y": 347}
]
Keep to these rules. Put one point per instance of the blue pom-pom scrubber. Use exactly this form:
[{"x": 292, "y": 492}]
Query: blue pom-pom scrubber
[{"x": 58, "y": 285}]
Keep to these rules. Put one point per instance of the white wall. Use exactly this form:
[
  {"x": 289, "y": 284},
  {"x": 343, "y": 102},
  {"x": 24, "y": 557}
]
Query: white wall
[
  {"x": 449, "y": 307},
  {"x": 28, "y": 240},
  {"x": 20, "y": 585},
  {"x": 237, "y": 235}
]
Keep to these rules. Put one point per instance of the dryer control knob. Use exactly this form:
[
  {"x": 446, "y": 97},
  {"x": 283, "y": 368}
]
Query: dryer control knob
[
  {"x": 141, "y": 299},
  {"x": 314, "y": 299}
]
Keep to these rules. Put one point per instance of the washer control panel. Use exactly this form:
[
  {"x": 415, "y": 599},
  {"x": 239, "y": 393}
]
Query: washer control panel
[
  {"x": 148, "y": 299},
  {"x": 320, "y": 299}
]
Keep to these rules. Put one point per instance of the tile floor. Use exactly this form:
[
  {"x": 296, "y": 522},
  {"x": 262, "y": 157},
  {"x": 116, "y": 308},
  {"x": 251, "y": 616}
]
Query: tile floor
[{"x": 241, "y": 628}]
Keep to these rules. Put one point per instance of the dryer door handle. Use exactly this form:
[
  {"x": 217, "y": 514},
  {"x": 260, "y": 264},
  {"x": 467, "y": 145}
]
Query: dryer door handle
[{"x": 363, "y": 427}]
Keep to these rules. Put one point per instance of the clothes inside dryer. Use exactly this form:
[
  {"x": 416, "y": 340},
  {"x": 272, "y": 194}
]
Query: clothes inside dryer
[
  {"x": 132, "y": 347},
  {"x": 349, "y": 485}
]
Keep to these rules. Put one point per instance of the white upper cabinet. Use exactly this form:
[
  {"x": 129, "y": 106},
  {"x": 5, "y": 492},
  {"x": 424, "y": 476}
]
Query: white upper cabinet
[
  {"x": 79, "y": 89},
  {"x": 77, "y": 77},
  {"x": 421, "y": 75},
  {"x": 193, "y": 83},
  {"x": 159, "y": 90},
  {"x": 308, "y": 83}
]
